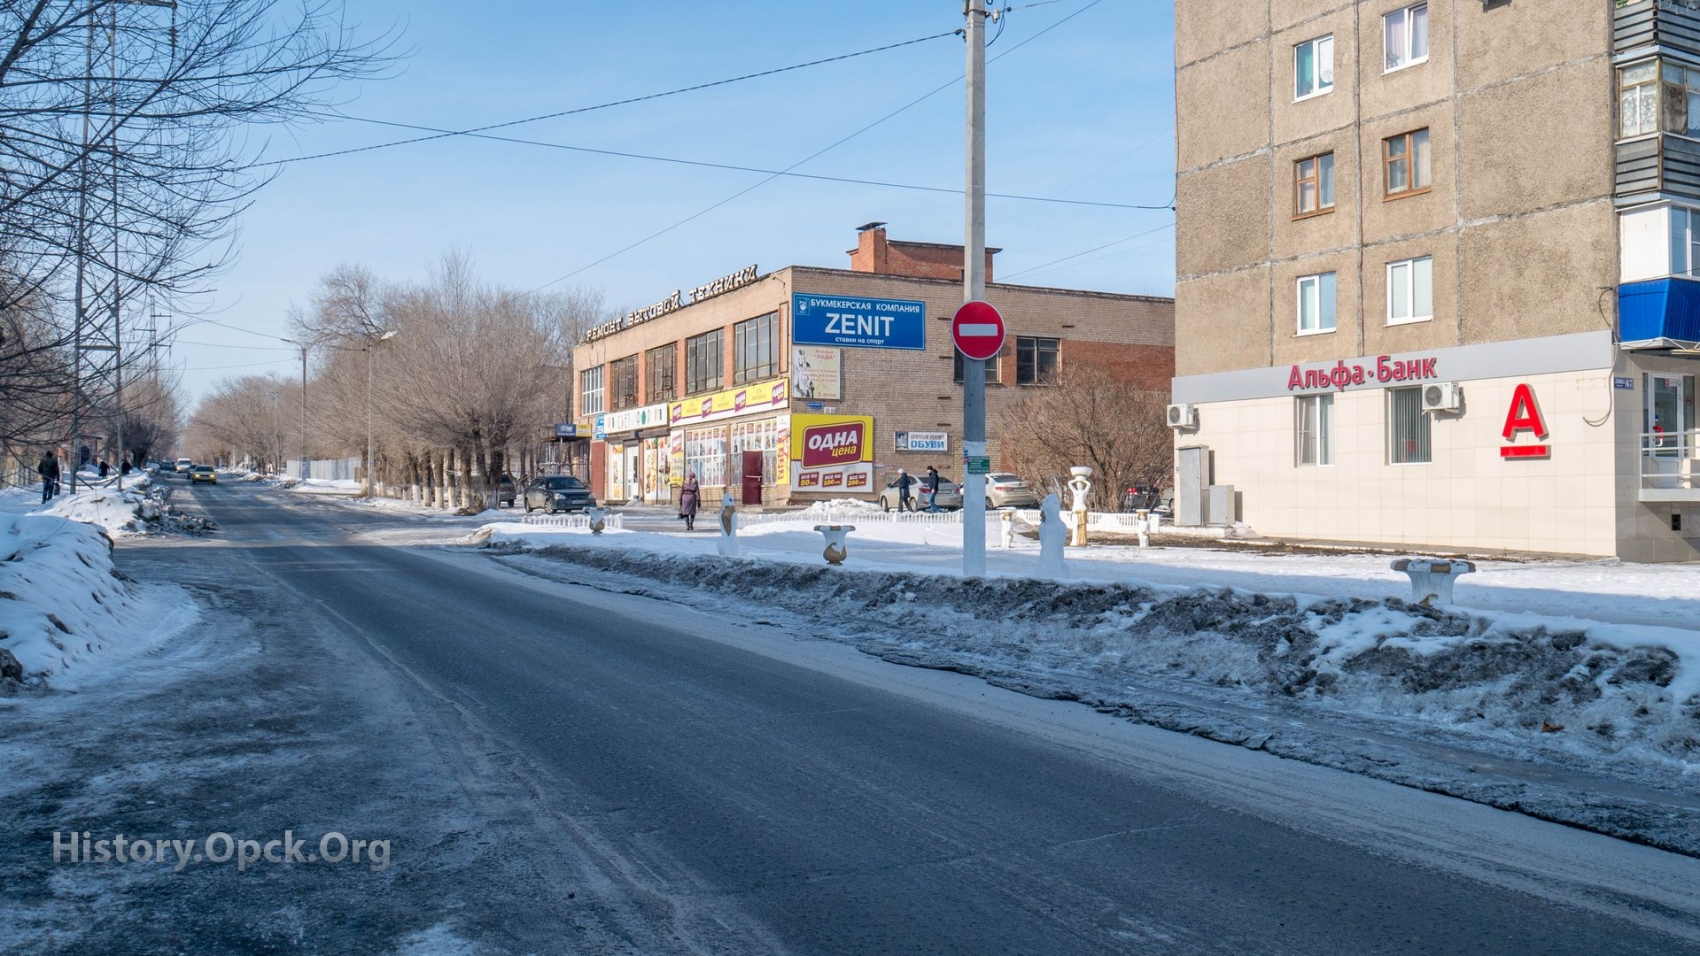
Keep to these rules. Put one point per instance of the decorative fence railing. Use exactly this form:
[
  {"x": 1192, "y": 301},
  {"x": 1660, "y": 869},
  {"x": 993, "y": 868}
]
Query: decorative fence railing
[{"x": 612, "y": 522}]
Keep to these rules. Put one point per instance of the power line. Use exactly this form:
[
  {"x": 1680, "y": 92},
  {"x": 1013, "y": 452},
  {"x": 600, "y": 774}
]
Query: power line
[
  {"x": 772, "y": 172},
  {"x": 221, "y": 345},
  {"x": 1167, "y": 225},
  {"x": 748, "y": 189},
  {"x": 443, "y": 134}
]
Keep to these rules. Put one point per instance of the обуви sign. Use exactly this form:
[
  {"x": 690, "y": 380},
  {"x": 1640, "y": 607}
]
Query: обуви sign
[{"x": 1342, "y": 376}]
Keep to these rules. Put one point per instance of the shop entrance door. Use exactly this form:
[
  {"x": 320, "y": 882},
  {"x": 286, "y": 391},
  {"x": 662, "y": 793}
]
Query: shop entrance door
[
  {"x": 633, "y": 455},
  {"x": 752, "y": 477},
  {"x": 1668, "y": 415}
]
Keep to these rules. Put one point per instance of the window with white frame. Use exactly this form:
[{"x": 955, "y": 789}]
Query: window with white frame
[
  {"x": 1410, "y": 290},
  {"x": 1313, "y": 185},
  {"x": 590, "y": 391},
  {"x": 1316, "y": 303},
  {"x": 1407, "y": 427},
  {"x": 1406, "y": 33},
  {"x": 1315, "y": 429},
  {"x": 1684, "y": 241},
  {"x": 1313, "y": 67}
]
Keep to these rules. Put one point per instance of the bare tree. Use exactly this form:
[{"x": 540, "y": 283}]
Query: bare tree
[{"x": 1088, "y": 416}]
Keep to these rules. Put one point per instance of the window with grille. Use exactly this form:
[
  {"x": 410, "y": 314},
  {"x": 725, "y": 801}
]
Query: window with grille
[
  {"x": 755, "y": 348},
  {"x": 590, "y": 391},
  {"x": 623, "y": 376},
  {"x": 661, "y": 369},
  {"x": 1315, "y": 429},
  {"x": 1407, "y": 427},
  {"x": 704, "y": 356}
]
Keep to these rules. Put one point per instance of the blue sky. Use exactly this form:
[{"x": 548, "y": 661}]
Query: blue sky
[{"x": 1083, "y": 112}]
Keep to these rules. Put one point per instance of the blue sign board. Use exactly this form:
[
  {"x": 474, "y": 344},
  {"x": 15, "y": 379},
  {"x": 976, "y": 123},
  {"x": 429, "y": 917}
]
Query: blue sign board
[
  {"x": 851, "y": 322},
  {"x": 566, "y": 430},
  {"x": 599, "y": 430},
  {"x": 1624, "y": 383}
]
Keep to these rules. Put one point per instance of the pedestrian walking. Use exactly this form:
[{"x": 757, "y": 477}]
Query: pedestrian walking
[
  {"x": 124, "y": 467},
  {"x": 931, "y": 487},
  {"x": 104, "y": 468},
  {"x": 689, "y": 495},
  {"x": 904, "y": 483},
  {"x": 49, "y": 471}
]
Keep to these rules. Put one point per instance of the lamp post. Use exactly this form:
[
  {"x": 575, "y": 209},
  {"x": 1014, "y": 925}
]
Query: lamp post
[{"x": 371, "y": 455}]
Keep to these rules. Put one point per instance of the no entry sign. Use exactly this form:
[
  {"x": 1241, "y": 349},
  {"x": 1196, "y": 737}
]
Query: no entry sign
[{"x": 977, "y": 330}]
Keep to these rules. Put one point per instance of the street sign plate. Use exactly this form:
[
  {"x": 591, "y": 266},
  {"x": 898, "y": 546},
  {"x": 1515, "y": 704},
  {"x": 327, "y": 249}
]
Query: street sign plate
[
  {"x": 977, "y": 330},
  {"x": 978, "y": 465}
]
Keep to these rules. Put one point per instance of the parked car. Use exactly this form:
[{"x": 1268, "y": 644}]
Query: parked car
[
  {"x": 950, "y": 496},
  {"x": 200, "y": 473},
  {"x": 1004, "y": 490},
  {"x": 558, "y": 493},
  {"x": 184, "y": 464},
  {"x": 505, "y": 491}
]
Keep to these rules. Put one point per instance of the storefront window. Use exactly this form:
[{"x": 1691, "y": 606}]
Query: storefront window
[
  {"x": 762, "y": 436},
  {"x": 705, "y": 454},
  {"x": 1407, "y": 427},
  {"x": 1315, "y": 429}
]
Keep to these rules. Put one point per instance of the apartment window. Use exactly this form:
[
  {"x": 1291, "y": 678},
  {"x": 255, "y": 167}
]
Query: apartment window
[
  {"x": 704, "y": 357},
  {"x": 1316, "y": 303},
  {"x": 1406, "y": 158},
  {"x": 1315, "y": 429},
  {"x": 1410, "y": 290},
  {"x": 755, "y": 348},
  {"x": 994, "y": 366},
  {"x": 1036, "y": 360},
  {"x": 1313, "y": 185},
  {"x": 662, "y": 371},
  {"x": 1407, "y": 427},
  {"x": 1406, "y": 33},
  {"x": 1313, "y": 67},
  {"x": 590, "y": 391},
  {"x": 1638, "y": 99}
]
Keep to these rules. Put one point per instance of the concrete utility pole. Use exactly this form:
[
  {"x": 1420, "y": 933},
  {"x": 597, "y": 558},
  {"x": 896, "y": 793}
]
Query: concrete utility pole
[
  {"x": 974, "y": 287},
  {"x": 371, "y": 452}
]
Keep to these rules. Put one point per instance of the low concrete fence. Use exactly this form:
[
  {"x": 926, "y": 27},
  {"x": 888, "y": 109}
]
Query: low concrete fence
[{"x": 613, "y": 522}]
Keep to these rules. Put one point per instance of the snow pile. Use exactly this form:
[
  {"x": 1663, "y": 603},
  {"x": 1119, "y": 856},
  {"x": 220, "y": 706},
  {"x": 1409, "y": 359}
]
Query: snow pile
[
  {"x": 1526, "y": 684},
  {"x": 63, "y": 604},
  {"x": 141, "y": 508},
  {"x": 837, "y": 508}
]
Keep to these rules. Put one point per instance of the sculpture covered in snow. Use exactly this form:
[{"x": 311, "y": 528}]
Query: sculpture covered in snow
[
  {"x": 1053, "y": 535},
  {"x": 598, "y": 518},
  {"x": 728, "y": 543},
  {"x": 837, "y": 541},
  {"x": 1006, "y": 522},
  {"x": 1079, "y": 487}
]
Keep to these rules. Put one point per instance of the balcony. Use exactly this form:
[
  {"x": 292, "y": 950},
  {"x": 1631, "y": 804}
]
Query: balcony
[
  {"x": 1669, "y": 465},
  {"x": 1670, "y": 25},
  {"x": 1659, "y": 314}
]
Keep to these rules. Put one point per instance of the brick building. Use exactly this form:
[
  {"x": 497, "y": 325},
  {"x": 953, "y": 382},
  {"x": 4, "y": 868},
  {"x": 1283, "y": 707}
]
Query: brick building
[{"x": 826, "y": 381}]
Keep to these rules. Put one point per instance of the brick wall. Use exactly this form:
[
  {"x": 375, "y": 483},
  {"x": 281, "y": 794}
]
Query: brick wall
[{"x": 922, "y": 260}]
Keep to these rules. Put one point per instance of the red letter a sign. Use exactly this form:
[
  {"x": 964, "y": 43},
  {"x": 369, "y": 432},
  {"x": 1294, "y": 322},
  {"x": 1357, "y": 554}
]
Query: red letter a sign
[{"x": 1524, "y": 416}]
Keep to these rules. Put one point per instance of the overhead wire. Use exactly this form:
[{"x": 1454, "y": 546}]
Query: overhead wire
[
  {"x": 1137, "y": 235},
  {"x": 443, "y": 134},
  {"x": 751, "y": 188}
]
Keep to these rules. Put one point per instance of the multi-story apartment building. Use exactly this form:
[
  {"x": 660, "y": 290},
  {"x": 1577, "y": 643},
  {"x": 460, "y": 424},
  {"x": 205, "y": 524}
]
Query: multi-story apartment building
[
  {"x": 1437, "y": 270},
  {"x": 807, "y": 383}
]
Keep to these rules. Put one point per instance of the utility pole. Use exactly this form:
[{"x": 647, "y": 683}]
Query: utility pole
[
  {"x": 974, "y": 287},
  {"x": 304, "y": 469}
]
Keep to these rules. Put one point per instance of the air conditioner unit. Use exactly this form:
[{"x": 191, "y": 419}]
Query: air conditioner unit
[
  {"x": 1443, "y": 397},
  {"x": 1183, "y": 416}
]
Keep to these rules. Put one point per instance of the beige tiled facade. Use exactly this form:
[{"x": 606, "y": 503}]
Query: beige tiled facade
[{"x": 1517, "y": 222}]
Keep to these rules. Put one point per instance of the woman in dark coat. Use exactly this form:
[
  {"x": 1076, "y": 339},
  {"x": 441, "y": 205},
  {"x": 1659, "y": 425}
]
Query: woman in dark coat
[{"x": 688, "y": 495}]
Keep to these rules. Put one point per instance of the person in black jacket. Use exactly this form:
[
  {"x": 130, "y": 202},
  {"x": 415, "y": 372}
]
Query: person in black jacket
[
  {"x": 49, "y": 471},
  {"x": 931, "y": 487},
  {"x": 904, "y": 482}
]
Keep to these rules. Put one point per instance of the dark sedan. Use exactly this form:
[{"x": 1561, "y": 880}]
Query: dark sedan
[{"x": 558, "y": 493}]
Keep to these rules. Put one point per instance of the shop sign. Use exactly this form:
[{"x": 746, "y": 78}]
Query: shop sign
[
  {"x": 732, "y": 402},
  {"x": 1623, "y": 382},
  {"x": 630, "y": 420},
  {"x": 923, "y": 441},
  {"x": 1343, "y": 376},
  {"x": 673, "y": 303},
  {"x": 1524, "y": 416},
  {"x": 817, "y": 372},
  {"x": 858, "y": 323},
  {"x": 566, "y": 430},
  {"x": 832, "y": 452}
]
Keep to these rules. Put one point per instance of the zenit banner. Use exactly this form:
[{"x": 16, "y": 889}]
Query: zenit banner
[{"x": 851, "y": 322}]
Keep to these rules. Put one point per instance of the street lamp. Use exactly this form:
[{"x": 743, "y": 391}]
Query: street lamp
[{"x": 371, "y": 454}]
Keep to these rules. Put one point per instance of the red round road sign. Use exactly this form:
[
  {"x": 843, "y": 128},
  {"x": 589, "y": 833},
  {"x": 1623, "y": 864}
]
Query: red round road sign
[{"x": 977, "y": 330}]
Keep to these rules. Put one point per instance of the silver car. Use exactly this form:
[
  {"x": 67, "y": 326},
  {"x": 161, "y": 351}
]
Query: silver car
[
  {"x": 950, "y": 496},
  {"x": 1004, "y": 490}
]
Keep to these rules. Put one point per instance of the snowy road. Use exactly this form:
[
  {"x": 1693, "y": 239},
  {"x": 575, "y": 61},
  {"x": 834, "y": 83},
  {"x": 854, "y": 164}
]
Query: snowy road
[{"x": 578, "y": 768}]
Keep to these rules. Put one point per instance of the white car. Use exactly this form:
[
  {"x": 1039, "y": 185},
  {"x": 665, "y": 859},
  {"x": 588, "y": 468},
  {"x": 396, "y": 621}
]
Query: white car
[{"x": 183, "y": 465}]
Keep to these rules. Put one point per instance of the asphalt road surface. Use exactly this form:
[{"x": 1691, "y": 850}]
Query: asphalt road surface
[{"x": 583, "y": 768}]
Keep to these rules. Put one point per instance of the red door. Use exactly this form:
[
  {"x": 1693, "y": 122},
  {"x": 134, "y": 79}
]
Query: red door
[{"x": 752, "y": 477}]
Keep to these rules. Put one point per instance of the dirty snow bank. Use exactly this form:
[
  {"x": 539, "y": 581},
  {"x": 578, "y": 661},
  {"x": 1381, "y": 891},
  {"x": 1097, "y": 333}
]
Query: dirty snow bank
[
  {"x": 65, "y": 611},
  {"x": 1616, "y": 700},
  {"x": 141, "y": 508}
]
